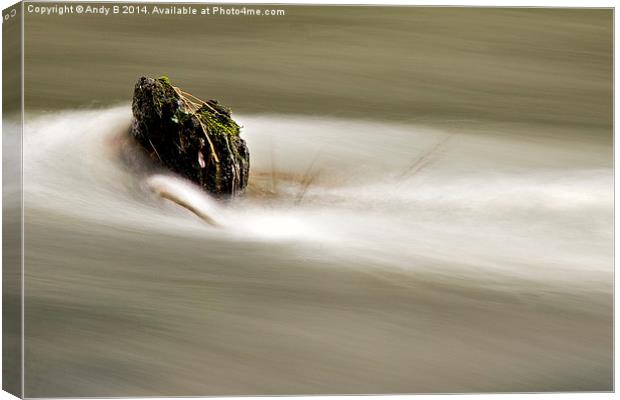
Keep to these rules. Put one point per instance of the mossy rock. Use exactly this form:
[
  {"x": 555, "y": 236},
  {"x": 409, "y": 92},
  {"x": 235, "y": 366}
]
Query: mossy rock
[{"x": 194, "y": 138}]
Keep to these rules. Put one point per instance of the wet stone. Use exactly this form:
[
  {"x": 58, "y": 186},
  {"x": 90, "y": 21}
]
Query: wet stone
[{"x": 193, "y": 138}]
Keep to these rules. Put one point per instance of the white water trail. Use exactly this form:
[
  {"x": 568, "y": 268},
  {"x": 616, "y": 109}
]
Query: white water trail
[{"x": 475, "y": 200}]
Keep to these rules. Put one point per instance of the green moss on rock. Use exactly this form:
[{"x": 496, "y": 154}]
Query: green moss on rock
[{"x": 194, "y": 138}]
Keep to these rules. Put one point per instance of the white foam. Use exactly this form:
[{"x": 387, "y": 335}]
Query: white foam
[{"x": 480, "y": 205}]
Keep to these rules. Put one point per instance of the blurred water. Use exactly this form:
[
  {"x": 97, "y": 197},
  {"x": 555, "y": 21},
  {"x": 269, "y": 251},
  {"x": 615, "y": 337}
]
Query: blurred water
[
  {"x": 481, "y": 271},
  {"x": 429, "y": 210}
]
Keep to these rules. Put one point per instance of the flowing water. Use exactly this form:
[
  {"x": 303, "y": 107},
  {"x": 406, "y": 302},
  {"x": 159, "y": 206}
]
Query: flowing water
[{"x": 449, "y": 233}]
